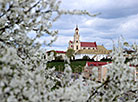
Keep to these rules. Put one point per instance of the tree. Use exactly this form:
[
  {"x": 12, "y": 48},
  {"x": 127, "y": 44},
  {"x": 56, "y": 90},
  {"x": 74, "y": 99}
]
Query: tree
[
  {"x": 58, "y": 58},
  {"x": 55, "y": 53},
  {"x": 24, "y": 76},
  {"x": 70, "y": 53},
  {"x": 86, "y": 57},
  {"x": 120, "y": 78}
]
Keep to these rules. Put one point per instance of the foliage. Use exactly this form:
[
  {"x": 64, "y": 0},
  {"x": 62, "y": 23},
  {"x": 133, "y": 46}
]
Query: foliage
[
  {"x": 55, "y": 53},
  {"x": 58, "y": 58},
  {"x": 76, "y": 66},
  {"x": 120, "y": 78},
  {"x": 70, "y": 53},
  {"x": 106, "y": 60},
  {"x": 24, "y": 76},
  {"x": 86, "y": 57}
]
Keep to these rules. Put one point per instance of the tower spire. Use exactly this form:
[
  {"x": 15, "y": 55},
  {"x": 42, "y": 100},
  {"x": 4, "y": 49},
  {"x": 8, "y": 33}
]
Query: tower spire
[
  {"x": 76, "y": 44},
  {"x": 77, "y": 27}
]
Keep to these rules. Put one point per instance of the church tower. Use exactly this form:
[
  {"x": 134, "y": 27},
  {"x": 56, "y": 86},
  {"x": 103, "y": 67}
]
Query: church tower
[{"x": 76, "y": 39}]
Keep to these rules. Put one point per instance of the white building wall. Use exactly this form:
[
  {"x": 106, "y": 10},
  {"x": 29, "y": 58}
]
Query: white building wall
[
  {"x": 97, "y": 58},
  {"x": 61, "y": 54},
  {"x": 100, "y": 56}
]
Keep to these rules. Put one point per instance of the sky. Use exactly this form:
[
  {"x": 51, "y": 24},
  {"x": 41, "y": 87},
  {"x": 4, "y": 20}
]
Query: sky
[{"x": 117, "y": 18}]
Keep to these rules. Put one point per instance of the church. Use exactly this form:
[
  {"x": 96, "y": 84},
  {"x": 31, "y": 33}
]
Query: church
[
  {"x": 77, "y": 45},
  {"x": 91, "y": 49}
]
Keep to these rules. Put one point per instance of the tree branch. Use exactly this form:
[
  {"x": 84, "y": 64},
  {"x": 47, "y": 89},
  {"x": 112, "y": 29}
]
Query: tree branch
[
  {"x": 96, "y": 91},
  {"x": 7, "y": 10},
  {"x": 1, "y": 40},
  {"x": 33, "y": 6}
]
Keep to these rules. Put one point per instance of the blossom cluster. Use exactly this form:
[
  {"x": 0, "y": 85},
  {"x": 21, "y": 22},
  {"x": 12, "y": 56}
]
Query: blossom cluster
[{"x": 24, "y": 76}]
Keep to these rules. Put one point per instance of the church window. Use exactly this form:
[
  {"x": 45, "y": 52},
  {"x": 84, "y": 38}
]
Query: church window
[
  {"x": 76, "y": 41},
  {"x": 77, "y": 47}
]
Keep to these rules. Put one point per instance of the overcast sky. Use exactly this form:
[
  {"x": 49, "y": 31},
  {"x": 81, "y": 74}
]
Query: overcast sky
[{"x": 118, "y": 17}]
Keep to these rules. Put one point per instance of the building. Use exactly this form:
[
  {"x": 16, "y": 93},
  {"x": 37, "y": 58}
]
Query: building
[
  {"x": 100, "y": 71},
  {"x": 61, "y": 54},
  {"x": 135, "y": 72},
  {"x": 77, "y": 45},
  {"x": 91, "y": 49},
  {"x": 136, "y": 75}
]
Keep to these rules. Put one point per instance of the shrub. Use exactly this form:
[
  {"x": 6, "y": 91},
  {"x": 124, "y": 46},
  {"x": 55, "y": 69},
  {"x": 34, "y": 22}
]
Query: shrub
[
  {"x": 86, "y": 57},
  {"x": 59, "y": 58}
]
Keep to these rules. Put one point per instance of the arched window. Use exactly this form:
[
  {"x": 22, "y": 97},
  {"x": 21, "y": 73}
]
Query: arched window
[{"x": 77, "y": 47}]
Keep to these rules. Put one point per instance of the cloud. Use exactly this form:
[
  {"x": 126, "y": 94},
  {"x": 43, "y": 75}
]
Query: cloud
[
  {"x": 48, "y": 48},
  {"x": 60, "y": 44},
  {"x": 119, "y": 17},
  {"x": 62, "y": 40},
  {"x": 129, "y": 27},
  {"x": 108, "y": 8},
  {"x": 66, "y": 32}
]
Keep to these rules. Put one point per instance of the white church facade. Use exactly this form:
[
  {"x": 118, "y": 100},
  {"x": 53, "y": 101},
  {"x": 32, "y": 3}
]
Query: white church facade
[
  {"x": 77, "y": 45},
  {"x": 91, "y": 49}
]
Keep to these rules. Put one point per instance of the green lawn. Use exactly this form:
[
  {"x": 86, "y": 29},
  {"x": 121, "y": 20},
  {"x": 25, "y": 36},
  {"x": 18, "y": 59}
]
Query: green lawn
[{"x": 76, "y": 66}]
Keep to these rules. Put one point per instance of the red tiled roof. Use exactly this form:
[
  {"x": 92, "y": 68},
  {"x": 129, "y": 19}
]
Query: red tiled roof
[
  {"x": 133, "y": 65},
  {"x": 60, "y": 52},
  {"x": 70, "y": 41},
  {"x": 88, "y": 44},
  {"x": 96, "y": 63},
  {"x": 103, "y": 63}
]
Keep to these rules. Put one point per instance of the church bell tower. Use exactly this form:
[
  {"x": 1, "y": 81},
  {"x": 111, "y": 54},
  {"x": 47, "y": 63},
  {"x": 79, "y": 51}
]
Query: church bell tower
[{"x": 76, "y": 39}]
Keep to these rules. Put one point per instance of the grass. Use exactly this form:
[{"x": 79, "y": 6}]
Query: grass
[{"x": 77, "y": 66}]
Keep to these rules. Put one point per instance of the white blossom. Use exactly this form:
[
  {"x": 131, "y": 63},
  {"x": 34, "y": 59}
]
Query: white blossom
[{"x": 24, "y": 76}]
